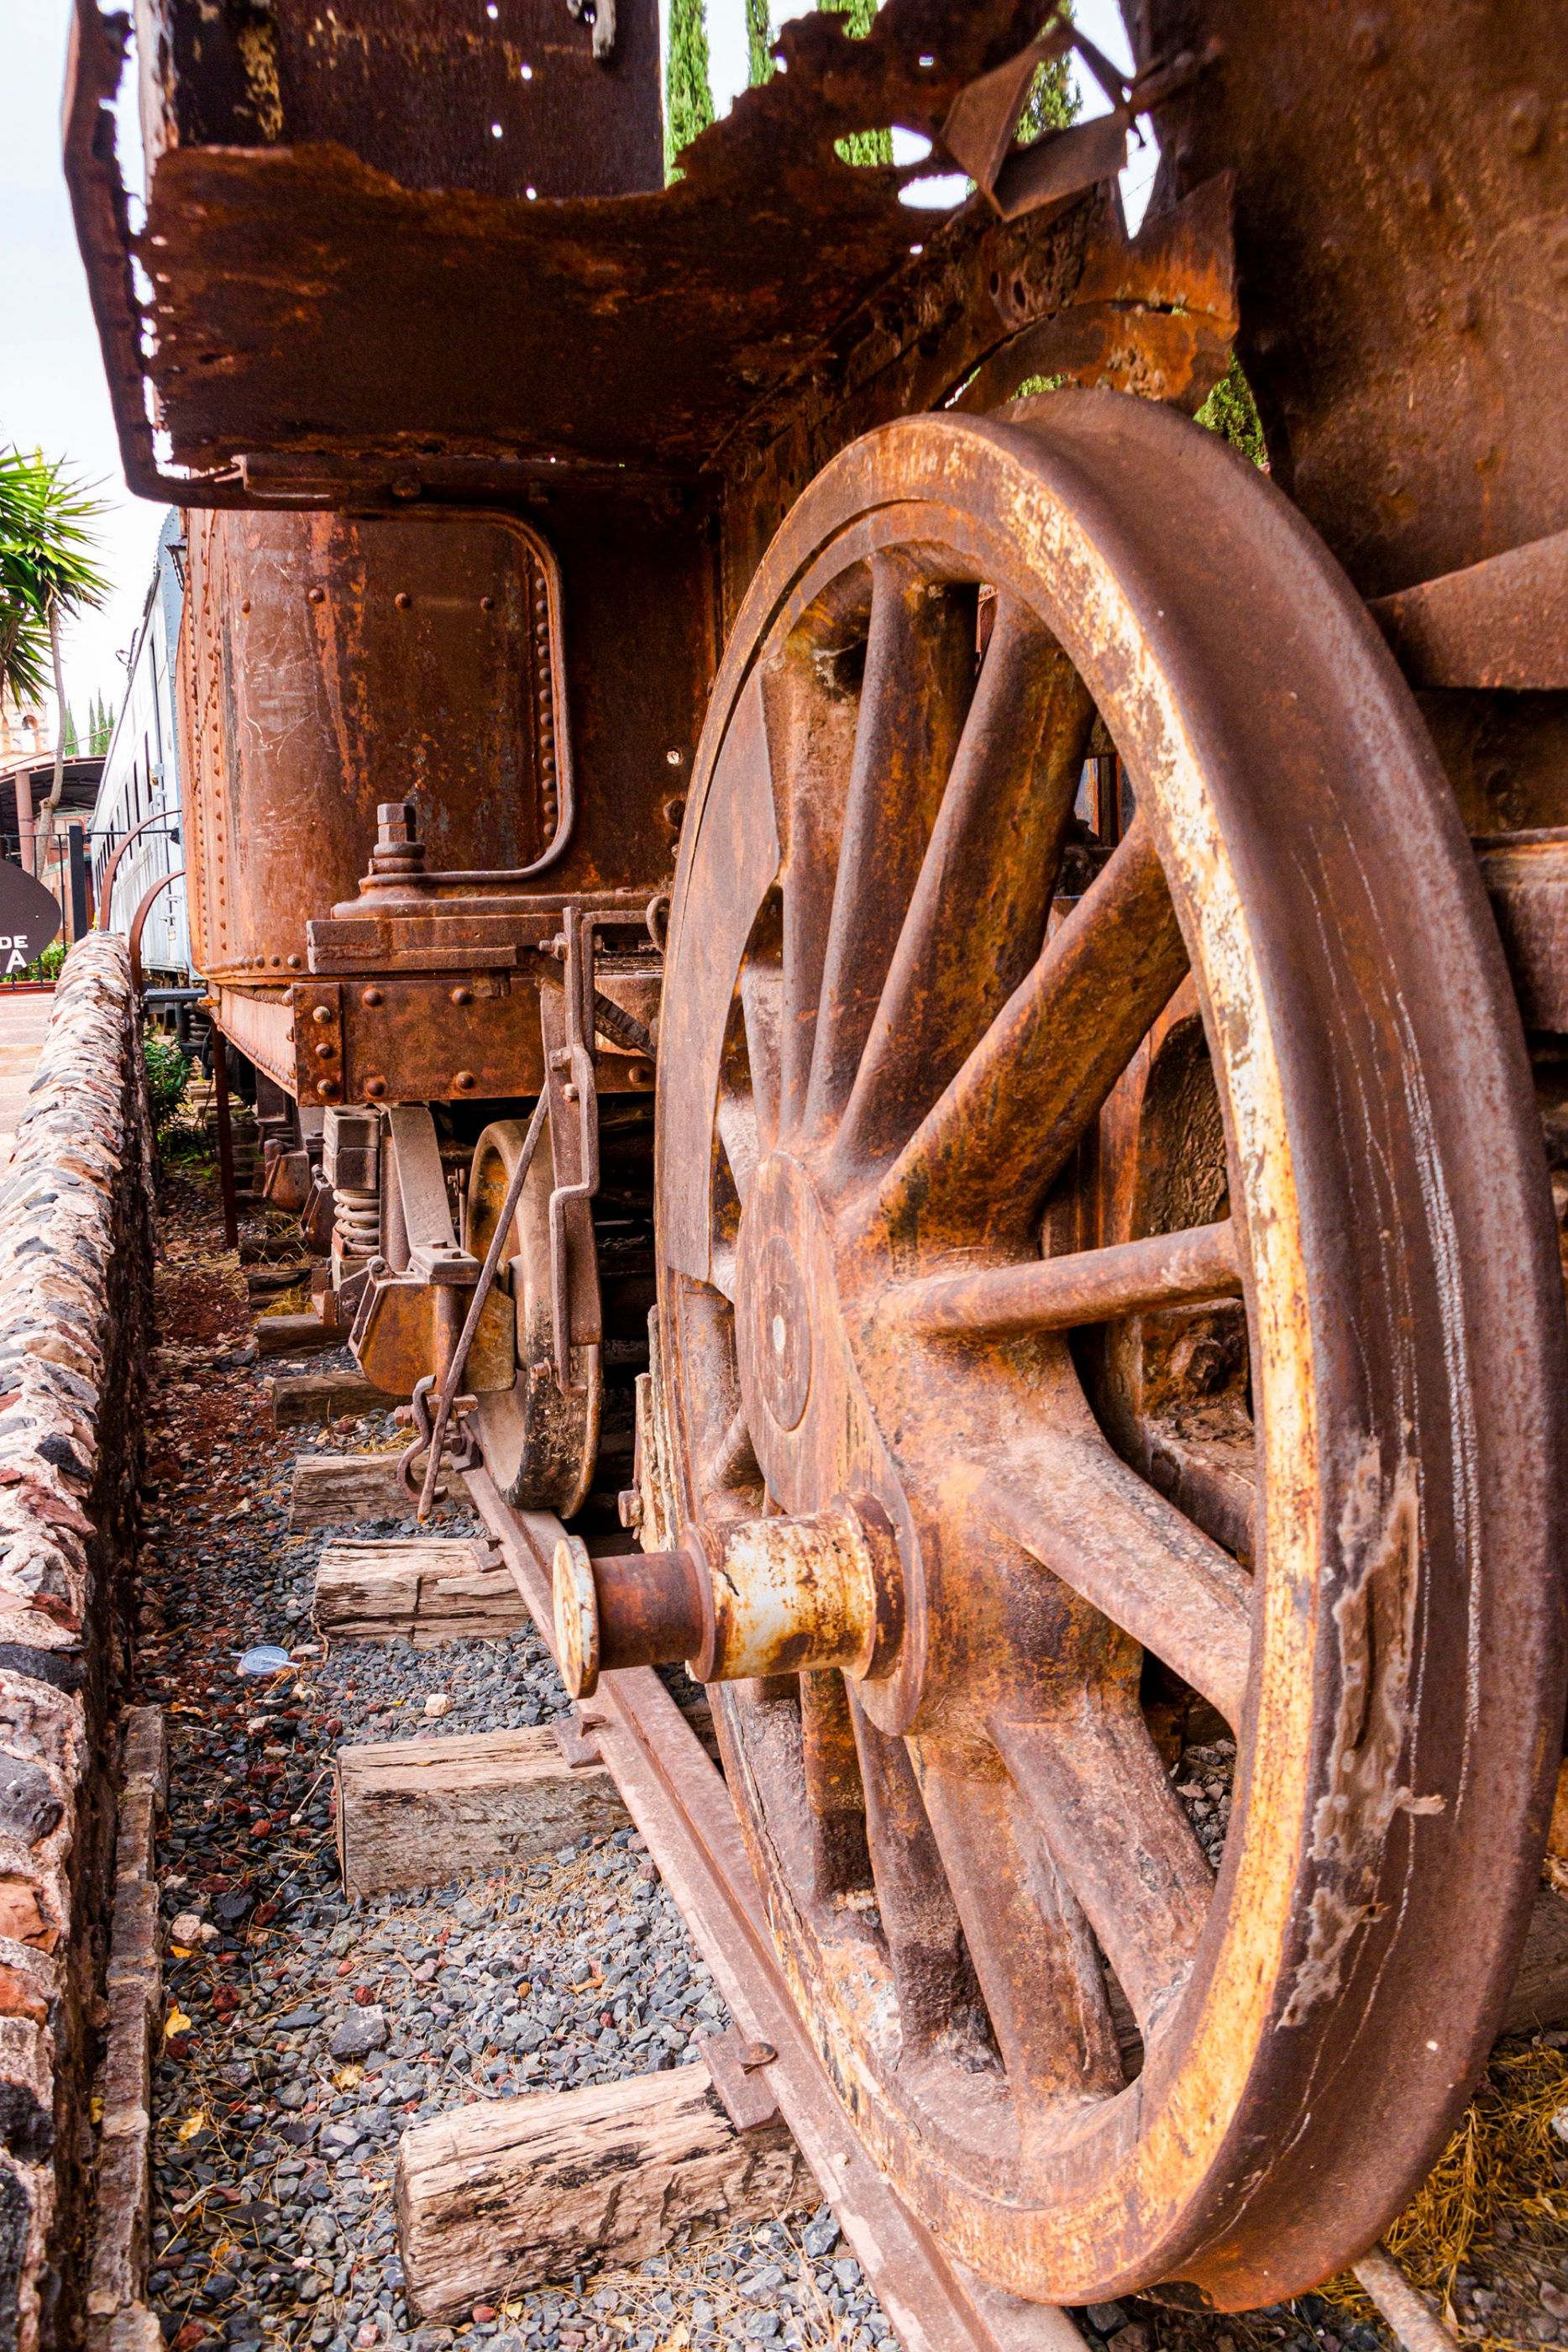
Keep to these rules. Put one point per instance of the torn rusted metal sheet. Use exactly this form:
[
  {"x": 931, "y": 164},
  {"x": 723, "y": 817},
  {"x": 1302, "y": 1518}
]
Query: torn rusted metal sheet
[
  {"x": 308, "y": 300},
  {"x": 1501, "y": 623},
  {"x": 436, "y": 97},
  {"x": 1155, "y": 315},
  {"x": 1019, "y": 178}
]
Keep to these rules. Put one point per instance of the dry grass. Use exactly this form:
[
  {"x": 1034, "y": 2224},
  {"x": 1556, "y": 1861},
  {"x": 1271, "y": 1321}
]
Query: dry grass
[
  {"x": 286, "y": 1302},
  {"x": 1497, "y": 2167}
]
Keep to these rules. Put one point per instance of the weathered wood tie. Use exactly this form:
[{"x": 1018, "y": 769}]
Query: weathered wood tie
[
  {"x": 339, "y": 1490},
  {"x": 428, "y": 1590},
  {"x": 417, "y": 1812},
  {"x": 294, "y": 1335},
  {"x": 297, "y": 1399},
  {"x": 511, "y": 2193}
]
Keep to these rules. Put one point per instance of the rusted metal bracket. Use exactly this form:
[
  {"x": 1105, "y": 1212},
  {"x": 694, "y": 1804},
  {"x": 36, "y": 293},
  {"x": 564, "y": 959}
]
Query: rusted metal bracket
[
  {"x": 601, "y": 16},
  {"x": 576, "y": 1737},
  {"x": 982, "y": 123},
  {"x": 574, "y": 1141},
  {"x": 737, "y": 2070},
  {"x": 1501, "y": 623}
]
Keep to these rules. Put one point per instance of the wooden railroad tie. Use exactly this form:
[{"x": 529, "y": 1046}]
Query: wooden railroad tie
[
  {"x": 299, "y": 1398},
  {"x": 511, "y": 2193},
  {"x": 294, "y": 1335},
  {"x": 337, "y": 1490},
  {"x": 426, "y": 1589},
  {"x": 418, "y": 1813}
]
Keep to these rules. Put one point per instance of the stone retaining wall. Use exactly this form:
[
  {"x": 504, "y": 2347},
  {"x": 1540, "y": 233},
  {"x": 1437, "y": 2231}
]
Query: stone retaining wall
[{"x": 75, "y": 1322}]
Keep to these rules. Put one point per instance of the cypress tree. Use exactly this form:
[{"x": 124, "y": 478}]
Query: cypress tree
[
  {"x": 861, "y": 146},
  {"x": 1232, "y": 413},
  {"x": 71, "y": 746},
  {"x": 688, "y": 95},
  {"x": 758, "y": 41},
  {"x": 1052, "y": 101}
]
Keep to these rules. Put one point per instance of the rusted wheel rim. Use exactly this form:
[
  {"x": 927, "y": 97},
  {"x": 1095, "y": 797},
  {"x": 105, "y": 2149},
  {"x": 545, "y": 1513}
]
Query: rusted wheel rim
[
  {"x": 832, "y": 1138},
  {"x": 540, "y": 1445}
]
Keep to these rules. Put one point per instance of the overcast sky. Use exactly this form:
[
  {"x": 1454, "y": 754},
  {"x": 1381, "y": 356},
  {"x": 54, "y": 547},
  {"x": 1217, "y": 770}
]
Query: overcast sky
[{"x": 52, "y": 391}]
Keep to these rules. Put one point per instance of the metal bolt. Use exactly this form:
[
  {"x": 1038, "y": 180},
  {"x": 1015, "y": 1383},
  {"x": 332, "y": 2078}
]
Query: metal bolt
[
  {"x": 1526, "y": 122},
  {"x": 373, "y": 996},
  {"x": 462, "y": 996},
  {"x": 569, "y": 1093},
  {"x": 322, "y": 1013},
  {"x": 296, "y": 962},
  {"x": 403, "y": 600},
  {"x": 375, "y": 1088},
  {"x": 465, "y": 1081},
  {"x": 315, "y": 595},
  {"x": 326, "y": 1051}
]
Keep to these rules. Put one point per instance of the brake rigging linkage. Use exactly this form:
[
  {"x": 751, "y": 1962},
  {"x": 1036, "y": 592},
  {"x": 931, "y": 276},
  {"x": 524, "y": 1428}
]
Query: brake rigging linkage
[{"x": 433, "y": 1435}]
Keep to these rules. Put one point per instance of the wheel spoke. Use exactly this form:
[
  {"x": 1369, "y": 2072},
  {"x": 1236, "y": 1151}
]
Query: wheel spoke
[
  {"x": 812, "y": 734},
  {"x": 738, "y": 1133},
  {"x": 1212, "y": 1480},
  {"x": 734, "y": 863},
  {"x": 761, "y": 1002},
  {"x": 980, "y": 1164},
  {"x": 732, "y": 1465},
  {"x": 1093, "y": 1522},
  {"x": 977, "y": 920},
  {"x": 1119, "y": 1836},
  {"x": 1032, "y": 1951},
  {"x": 919, "y": 670},
  {"x": 1055, "y": 1294},
  {"x": 931, "y": 1968},
  {"x": 834, "y": 1797}
]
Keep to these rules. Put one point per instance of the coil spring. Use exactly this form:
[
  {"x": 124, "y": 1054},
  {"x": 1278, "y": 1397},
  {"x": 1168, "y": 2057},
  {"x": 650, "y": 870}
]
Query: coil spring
[{"x": 357, "y": 1221}]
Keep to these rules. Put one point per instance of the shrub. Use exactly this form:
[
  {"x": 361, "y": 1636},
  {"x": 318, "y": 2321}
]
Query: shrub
[{"x": 168, "y": 1075}]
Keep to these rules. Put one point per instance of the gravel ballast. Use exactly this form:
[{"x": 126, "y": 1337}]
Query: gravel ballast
[{"x": 304, "y": 2033}]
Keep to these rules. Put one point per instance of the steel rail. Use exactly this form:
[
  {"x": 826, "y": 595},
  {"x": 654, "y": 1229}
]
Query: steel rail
[{"x": 677, "y": 1798}]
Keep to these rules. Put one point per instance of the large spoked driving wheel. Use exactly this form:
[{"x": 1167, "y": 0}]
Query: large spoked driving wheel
[{"x": 889, "y": 1031}]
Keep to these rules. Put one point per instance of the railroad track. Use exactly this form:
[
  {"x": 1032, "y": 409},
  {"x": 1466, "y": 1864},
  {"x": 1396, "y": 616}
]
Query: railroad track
[{"x": 677, "y": 1798}]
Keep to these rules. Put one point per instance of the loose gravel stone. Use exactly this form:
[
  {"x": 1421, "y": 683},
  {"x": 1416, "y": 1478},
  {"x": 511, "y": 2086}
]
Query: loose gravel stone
[{"x": 312, "y": 2029}]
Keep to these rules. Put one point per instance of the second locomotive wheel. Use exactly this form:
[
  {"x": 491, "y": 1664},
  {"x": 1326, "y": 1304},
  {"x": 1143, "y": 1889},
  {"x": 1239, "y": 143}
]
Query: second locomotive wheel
[
  {"x": 1087, "y": 2060},
  {"x": 540, "y": 1442}
]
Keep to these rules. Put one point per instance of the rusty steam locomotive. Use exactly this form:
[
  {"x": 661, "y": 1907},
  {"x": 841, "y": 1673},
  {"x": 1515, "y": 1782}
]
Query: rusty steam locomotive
[{"x": 870, "y": 941}]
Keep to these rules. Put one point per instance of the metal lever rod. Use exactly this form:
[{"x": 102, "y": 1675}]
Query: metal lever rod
[
  {"x": 453, "y": 1379},
  {"x": 579, "y": 929}
]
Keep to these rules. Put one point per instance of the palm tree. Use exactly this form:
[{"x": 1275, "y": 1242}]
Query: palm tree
[{"x": 47, "y": 574}]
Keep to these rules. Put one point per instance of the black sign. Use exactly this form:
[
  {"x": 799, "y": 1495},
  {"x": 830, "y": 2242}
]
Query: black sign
[{"x": 29, "y": 918}]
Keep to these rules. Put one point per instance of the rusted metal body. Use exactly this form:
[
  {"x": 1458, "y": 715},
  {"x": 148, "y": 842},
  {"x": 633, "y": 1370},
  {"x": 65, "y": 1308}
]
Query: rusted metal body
[{"x": 1088, "y": 1090}]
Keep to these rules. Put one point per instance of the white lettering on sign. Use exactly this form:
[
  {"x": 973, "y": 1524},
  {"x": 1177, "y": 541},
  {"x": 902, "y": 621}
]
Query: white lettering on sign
[{"x": 16, "y": 962}]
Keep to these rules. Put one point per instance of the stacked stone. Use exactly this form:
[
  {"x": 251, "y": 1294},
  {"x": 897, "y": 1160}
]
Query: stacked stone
[{"x": 75, "y": 1276}]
